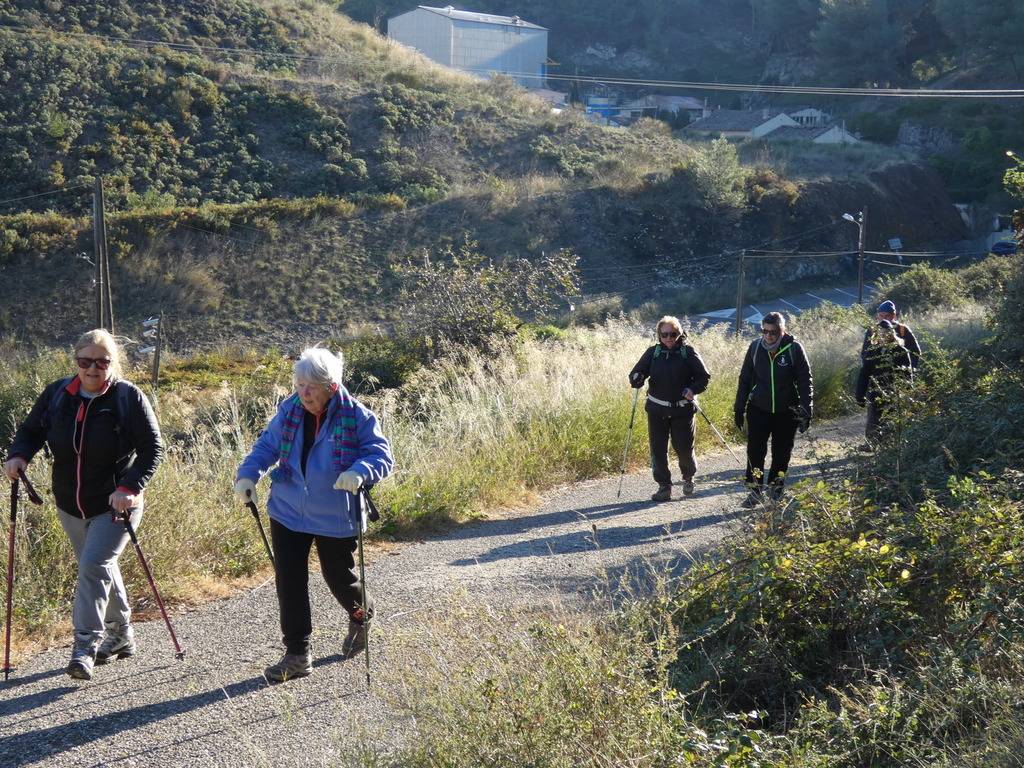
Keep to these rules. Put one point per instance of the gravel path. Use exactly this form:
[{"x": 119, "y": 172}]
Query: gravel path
[{"x": 216, "y": 709}]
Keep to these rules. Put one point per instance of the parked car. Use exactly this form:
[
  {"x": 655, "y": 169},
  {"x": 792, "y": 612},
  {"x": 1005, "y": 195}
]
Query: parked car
[{"x": 1003, "y": 248}]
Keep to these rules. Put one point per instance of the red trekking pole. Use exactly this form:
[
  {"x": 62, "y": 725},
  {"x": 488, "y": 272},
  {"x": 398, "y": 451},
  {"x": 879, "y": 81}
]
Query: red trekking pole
[
  {"x": 35, "y": 498},
  {"x": 126, "y": 519}
]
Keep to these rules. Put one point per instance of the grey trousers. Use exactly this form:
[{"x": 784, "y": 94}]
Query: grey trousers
[{"x": 100, "y": 597}]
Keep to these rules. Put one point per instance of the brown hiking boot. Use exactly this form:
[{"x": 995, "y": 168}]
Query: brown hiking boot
[{"x": 664, "y": 493}]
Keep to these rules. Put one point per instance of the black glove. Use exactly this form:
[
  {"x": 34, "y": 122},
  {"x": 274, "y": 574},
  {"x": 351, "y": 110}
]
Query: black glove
[
  {"x": 862, "y": 403},
  {"x": 805, "y": 422},
  {"x": 738, "y": 418},
  {"x": 636, "y": 380}
]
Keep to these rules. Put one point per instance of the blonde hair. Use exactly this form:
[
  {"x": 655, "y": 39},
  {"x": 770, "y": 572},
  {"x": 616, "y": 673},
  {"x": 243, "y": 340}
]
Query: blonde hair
[
  {"x": 669, "y": 320},
  {"x": 100, "y": 337}
]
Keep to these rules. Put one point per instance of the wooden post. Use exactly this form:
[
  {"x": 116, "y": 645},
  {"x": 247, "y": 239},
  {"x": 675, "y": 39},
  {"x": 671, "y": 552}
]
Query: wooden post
[
  {"x": 97, "y": 245},
  {"x": 739, "y": 292},
  {"x": 108, "y": 321}
]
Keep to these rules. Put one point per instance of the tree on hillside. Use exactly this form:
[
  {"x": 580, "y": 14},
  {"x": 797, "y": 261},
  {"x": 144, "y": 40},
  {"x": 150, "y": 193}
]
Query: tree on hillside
[
  {"x": 857, "y": 42},
  {"x": 984, "y": 30},
  {"x": 787, "y": 22},
  {"x": 375, "y": 12}
]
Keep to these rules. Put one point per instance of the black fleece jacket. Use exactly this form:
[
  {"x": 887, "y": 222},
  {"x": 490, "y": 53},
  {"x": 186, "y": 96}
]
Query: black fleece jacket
[
  {"x": 776, "y": 382},
  {"x": 96, "y": 450}
]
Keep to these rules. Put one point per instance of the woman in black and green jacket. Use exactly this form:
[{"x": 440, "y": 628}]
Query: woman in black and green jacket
[
  {"x": 776, "y": 396},
  {"x": 677, "y": 375}
]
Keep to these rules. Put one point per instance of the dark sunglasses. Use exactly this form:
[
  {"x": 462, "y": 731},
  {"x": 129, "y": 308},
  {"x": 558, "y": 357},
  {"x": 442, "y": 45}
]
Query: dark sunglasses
[
  {"x": 669, "y": 335},
  {"x": 770, "y": 331},
  {"x": 88, "y": 362}
]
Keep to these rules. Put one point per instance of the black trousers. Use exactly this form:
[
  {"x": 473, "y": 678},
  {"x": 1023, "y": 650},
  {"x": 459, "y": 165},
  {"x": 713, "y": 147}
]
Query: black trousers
[
  {"x": 291, "y": 558},
  {"x": 762, "y": 426},
  {"x": 681, "y": 426}
]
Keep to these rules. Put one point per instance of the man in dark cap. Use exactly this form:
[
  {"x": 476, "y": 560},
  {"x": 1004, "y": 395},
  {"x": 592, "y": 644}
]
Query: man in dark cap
[
  {"x": 887, "y": 311},
  {"x": 885, "y": 369}
]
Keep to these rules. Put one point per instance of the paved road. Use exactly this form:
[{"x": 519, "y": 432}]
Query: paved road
[
  {"x": 216, "y": 709},
  {"x": 795, "y": 304}
]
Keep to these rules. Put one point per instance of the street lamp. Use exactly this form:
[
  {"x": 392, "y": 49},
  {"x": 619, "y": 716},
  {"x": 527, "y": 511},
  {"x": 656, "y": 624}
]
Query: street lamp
[{"x": 859, "y": 221}]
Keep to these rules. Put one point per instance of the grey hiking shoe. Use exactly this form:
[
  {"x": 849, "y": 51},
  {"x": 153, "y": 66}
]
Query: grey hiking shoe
[
  {"x": 688, "y": 489},
  {"x": 119, "y": 643},
  {"x": 290, "y": 666},
  {"x": 664, "y": 493},
  {"x": 83, "y": 657}
]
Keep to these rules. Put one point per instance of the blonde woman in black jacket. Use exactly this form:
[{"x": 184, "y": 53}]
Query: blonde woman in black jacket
[
  {"x": 677, "y": 375},
  {"x": 106, "y": 446}
]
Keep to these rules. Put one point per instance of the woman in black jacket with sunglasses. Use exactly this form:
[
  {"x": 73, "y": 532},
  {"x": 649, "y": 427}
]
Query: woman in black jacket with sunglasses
[
  {"x": 106, "y": 446},
  {"x": 776, "y": 397},
  {"x": 677, "y": 375}
]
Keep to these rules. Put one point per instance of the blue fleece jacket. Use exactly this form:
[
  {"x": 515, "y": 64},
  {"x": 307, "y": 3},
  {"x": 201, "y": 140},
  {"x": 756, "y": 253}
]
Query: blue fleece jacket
[{"x": 309, "y": 503}]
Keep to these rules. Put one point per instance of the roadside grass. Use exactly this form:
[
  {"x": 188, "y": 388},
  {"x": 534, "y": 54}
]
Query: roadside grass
[{"x": 476, "y": 432}]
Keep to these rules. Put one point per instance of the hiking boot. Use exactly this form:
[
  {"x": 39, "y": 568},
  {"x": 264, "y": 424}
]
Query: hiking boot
[
  {"x": 688, "y": 489},
  {"x": 83, "y": 657},
  {"x": 119, "y": 643},
  {"x": 358, "y": 626},
  {"x": 290, "y": 666},
  {"x": 664, "y": 493},
  {"x": 754, "y": 500},
  {"x": 775, "y": 492}
]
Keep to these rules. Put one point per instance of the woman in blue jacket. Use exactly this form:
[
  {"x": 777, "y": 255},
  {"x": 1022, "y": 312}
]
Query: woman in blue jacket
[{"x": 326, "y": 446}]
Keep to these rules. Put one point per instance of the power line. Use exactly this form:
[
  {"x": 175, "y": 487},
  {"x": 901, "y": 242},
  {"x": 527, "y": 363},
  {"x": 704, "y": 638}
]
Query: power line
[
  {"x": 45, "y": 194},
  {"x": 989, "y": 93}
]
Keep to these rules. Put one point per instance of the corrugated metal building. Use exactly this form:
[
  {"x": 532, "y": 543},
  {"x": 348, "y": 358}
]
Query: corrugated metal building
[{"x": 481, "y": 44}]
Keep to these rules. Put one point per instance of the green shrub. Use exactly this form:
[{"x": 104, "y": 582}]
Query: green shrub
[
  {"x": 921, "y": 288},
  {"x": 987, "y": 280}
]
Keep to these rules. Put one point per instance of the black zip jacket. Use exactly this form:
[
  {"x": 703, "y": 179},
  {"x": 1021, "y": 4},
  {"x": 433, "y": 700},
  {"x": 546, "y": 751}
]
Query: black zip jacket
[
  {"x": 884, "y": 368},
  {"x": 670, "y": 372},
  {"x": 776, "y": 383},
  {"x": 909, "y": 341},
  {"x": 95, "y": 449}
]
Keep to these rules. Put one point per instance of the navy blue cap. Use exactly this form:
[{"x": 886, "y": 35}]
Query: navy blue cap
[{"x": 887, "y": 306}]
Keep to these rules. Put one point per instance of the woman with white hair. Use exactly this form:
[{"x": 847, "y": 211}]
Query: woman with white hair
[
  {"x": 106, "y": 446},
  {"x": 326, "y": 446}
]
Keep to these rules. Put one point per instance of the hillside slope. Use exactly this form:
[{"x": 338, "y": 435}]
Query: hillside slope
[{"x": 268, "y": 165}]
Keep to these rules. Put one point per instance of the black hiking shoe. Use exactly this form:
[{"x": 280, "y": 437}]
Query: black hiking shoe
[
  {"x": 688, "y": 489},
  {"x": 664, "y": 493},
  {"x": 775, "y": 491},
  {"x": 290, "y": 666},
  {"x": 754, "y": 499}
]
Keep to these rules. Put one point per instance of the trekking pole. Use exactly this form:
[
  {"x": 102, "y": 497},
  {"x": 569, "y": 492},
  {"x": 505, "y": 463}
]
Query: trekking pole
[
  {"x": 126, "y": 519},
  {"x": 715, "y": 430},
  {"x": 629, "y": 437},
  {"x": 372, "y": 515},
  {"x": 35, "y": 498},
  {"x": 259, "y": 524},
  {"x": 10, "y": 579}
]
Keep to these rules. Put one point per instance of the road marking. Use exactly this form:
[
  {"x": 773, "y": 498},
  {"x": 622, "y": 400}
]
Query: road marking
[
  {"x": 794, "y": 306},
  {"x": 840, "y": 290},
  {"x": 816, "y": 297}
]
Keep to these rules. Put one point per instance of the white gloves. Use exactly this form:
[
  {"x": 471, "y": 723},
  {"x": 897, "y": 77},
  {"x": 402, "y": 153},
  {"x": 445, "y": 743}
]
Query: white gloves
[
  {"x": 245, "y": 490},
  {"x": 350, "y": 481}
]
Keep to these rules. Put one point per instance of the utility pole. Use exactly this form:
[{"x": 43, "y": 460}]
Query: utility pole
[
  {"x": 862, "y": 225},
  {"x": 98, "y": 244},
  {"x": 104, "y": 290},
  {"x": 739, "y": 292}
]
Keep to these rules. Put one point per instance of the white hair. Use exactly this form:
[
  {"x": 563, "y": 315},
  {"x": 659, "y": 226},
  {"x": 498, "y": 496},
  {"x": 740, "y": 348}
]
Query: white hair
[{"x": 319, "y": 366}]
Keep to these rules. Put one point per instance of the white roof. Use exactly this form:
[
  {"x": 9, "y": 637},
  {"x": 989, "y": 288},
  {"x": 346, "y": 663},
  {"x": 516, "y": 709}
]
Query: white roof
[{"x": 481, "y": 18}]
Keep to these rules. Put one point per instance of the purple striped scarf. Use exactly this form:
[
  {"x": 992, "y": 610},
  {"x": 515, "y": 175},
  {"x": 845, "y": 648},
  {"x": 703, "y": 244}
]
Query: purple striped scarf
[{"x": 343, "y": 432}]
